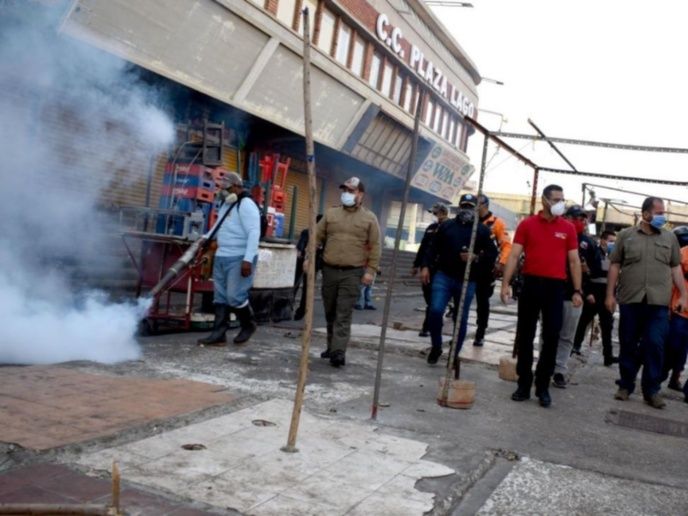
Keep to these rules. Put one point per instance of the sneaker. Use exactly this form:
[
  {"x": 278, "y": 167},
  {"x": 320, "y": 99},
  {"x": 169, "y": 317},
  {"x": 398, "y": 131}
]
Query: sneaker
[
  {"x": 358, "y": 307},
  {"x": 575, "y": 351},
  {"x": 610, "y": 361},
  {"x": 337, "y": 359},
  {"x": 655, "y": 401},
  {"x": 325, "y": 354},
  {"x": 424, "y": 333},
  {"x": 369, "y": 307},
  {"x": 434, "y": 355},
  {"x": 559, "y": 381},
  {"x": 521, "y": 395},
  {"x": 544, "y": 398},
  {"x": 622, "y": 394}
]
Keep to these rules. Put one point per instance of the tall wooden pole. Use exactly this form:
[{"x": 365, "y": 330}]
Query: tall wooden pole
[
  {"x": 310, "y": 249},
  {"x": 393, "y": 266}
]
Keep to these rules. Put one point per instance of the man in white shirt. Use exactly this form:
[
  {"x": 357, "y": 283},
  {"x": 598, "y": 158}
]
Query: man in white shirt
[{"x": 235, "y": 264}]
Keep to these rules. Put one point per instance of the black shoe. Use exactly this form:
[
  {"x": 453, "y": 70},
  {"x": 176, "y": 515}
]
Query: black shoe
[
  {"x": 358, "y": 307},
  {"x": 217, "y": 337},
  {"x": 610, "y": 361},
  {"x": 559, "y": 381},
  {"x": 675, "y": 386},
  {"x": 434, "y": 355},
  {"x": 247, "y": 322},
  {"x": 575, "y": 351},
  {"x": 326, "y": 354},
  {"x": 424, "y": 333},
  {"x": 369, "y": 307},
  {"x": 337, "y": 359},
  {"x": 478, "y": 343},
  {"x": 545, "y": 398},
  {"x": 299, "y": 314},
  {"x": 521, "y": 395}
]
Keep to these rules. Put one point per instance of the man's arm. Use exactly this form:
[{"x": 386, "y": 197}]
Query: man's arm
[
  {"x": 430, "y": 255},
  {"x": 680, "y": 283},
  {"x": 576, "y": 276},
  {"x": 321, "y": 231},
  {"x": 422, "y": 248},
  {"x": 502, "y": 236},
  {"x": 375, "y": 251},
  {"x": 509, "y": 269},
  {"x": 612, "y": 279}
]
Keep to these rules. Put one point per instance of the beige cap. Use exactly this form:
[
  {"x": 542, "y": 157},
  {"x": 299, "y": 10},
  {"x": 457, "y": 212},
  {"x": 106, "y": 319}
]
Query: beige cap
[{"x": 353, "y": 183}]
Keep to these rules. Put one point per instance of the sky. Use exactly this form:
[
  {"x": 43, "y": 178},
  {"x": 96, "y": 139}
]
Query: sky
[{"x": 597, "y": 70}]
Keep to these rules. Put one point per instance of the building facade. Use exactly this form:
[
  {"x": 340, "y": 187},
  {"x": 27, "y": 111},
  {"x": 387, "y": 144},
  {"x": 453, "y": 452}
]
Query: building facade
[{"x": 371, "y": 61}]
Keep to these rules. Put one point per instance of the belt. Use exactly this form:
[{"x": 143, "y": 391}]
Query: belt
[{"x": 343, "y": 267}]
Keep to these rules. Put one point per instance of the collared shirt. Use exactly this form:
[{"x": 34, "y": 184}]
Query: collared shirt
[
  {"x": 546, "y": 244},
  {"x": 351, "y": 238},
  {"x": 646, "y": 262}
]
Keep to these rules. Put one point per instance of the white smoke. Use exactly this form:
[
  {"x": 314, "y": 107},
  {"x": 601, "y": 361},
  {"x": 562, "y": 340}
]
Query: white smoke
[{"x": 74, "y": 122}]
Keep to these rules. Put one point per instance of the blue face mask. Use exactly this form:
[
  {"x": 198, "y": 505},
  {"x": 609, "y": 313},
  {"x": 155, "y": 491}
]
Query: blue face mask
[
  {"x": 658, "y": 221},
  {"x": 610, "y": 247}
]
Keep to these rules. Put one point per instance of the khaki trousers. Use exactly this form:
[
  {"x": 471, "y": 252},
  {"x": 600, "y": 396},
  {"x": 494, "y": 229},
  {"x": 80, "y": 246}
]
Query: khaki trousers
[{"x": 340, "y": 290}]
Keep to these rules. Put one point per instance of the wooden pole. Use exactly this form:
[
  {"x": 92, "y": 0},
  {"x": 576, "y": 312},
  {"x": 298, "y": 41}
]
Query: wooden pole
[
  {"x": 393, "y": 266},
  {"x": 115, "y": 486},
  {"x": 310, "y": 250},
  {"x": 464, "y": 286}
]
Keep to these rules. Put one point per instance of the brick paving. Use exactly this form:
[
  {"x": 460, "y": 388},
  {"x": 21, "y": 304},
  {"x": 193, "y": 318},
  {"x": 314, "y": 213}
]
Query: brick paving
[
  {"x": 43, "y": 407},
  {"x": 55, "y": 484}
]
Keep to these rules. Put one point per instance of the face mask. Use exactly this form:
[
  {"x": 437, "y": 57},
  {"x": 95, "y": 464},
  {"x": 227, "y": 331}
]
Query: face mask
[
  {"x": 658, "y": 221},
  {"x": 610, "y": 247},
  {"x": 465, "y": 215},
  {"x": 435, "y": 220},
  {"x": 348, "y": 199},
  {"x": 558, "y": 209}
]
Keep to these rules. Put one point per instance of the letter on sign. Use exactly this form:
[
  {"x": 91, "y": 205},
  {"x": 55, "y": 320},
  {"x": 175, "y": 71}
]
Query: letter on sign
[{"x": 382, "y": 22}]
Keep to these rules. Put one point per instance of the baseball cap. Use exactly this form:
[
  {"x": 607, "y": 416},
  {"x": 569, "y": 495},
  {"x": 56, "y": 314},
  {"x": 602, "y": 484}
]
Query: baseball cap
[
  {"x": 486, "y": 199},
  {"x": 575, "y": 211},
  {"x": 353, "y": 183},
  {"x": 439, "y": 207},
  {"x": 468, "y": 198}
]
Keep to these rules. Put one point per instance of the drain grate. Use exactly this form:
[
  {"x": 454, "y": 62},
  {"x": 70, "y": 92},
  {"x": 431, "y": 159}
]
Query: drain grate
[{"x": 658, "y": 425}]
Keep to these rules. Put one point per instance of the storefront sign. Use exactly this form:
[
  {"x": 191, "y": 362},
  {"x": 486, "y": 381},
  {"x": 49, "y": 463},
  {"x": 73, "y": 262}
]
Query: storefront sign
[
  {"x": 443, "y": 173},
  {"x": 425, "y": 68}
]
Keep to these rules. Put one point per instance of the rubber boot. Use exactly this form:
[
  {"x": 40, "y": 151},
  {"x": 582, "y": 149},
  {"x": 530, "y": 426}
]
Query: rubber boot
[
  {"x": 247, "y": 322},
  {"x": 217, "y": 337}
]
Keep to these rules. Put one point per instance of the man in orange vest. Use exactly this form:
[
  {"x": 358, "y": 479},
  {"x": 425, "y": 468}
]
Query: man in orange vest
[
  {"x": 677, "y": 344},
  {"x": 485, "y": 283}
]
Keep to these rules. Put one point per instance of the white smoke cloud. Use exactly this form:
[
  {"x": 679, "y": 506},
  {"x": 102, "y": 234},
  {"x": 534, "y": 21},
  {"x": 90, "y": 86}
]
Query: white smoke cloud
[{"x": 74, "y": 122}]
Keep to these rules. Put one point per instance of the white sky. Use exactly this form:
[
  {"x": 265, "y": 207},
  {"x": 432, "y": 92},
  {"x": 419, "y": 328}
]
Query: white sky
[{"x": 606, "y": 70}]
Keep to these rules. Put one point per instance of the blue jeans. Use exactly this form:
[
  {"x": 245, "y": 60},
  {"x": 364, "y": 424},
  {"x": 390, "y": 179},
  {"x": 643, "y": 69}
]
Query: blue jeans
[
  {"x": 443, "y": 288},
  {"x": 366, "y": 297},
  {"x": 231, "y": 288},
  {"x": 643, "y": 330}
]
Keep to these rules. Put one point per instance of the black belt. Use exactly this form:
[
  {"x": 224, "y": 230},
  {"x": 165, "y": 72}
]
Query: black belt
[{"x": 343, "y": 267}]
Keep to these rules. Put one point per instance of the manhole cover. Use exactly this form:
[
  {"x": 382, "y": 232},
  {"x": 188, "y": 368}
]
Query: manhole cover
[
  {"x": 193, "y": 446},
  {"x": 263, "y": 422},
  {"x": 658, "y": 425}
]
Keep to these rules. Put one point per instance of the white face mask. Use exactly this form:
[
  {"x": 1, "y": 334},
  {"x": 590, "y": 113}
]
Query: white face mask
[
  {"x": 558, "y": 209},
  {"x": 348, "y": 199}
]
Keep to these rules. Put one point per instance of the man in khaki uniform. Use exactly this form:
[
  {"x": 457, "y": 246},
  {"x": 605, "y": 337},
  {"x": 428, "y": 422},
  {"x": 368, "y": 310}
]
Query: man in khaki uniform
[{"x": 351, "y": 237}]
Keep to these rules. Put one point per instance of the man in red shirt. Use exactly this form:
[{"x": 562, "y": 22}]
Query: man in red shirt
[{"x": 549, "y": 243}]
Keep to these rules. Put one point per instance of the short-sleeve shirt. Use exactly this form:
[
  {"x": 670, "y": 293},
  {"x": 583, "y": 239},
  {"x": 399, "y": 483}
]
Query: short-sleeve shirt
[
  {"x": 646, "y": 262},
  {"x": 546, "y": 244}
]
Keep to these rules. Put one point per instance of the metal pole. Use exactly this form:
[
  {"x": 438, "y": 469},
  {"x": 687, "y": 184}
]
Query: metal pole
[
  {"x": 292, "y": 215},
  {"x": 393, "y": 265},
  {"x": 464, "y": 285},
  {"x": 604, "y": 216},
  {"x": 533, "y": 195},
  {"x": 556, "y": 149},
  {"x": 310, "y": 250}
]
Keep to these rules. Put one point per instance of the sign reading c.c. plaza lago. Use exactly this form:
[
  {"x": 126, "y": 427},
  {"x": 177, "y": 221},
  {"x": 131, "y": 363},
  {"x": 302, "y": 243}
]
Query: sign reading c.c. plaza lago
[{"x": 443, "y": 173}]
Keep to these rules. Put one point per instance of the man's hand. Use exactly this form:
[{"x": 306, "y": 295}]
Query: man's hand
[
  {"x": 577, "y": 300},
  {"x": 584, "y": 267},
  {"x": 367, "y": 279},
  {"x": 610, "y": 304},
  {"x": 498, "y": 270},
  {"x": 590, "y": 299},
  {"x": 682, "y": 304},
  {"x": 246, "y": 268},
  {"x": 425, "y": 276},
  {"x": 414, "y": 271},
  {"x": 505, "y": 294}
]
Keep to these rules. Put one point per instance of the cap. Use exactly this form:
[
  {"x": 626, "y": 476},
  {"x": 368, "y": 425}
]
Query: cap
[
  {"x": 231, "y": 179},
  {"x": 468, "y": 199},
  {"x": 681, "y": 233},
  {"x": 439, "y": 207},
  {"x": 485, "y": 199},
  {"x": 576, "y": 211},
  {"x": 353, "y": 183}
]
